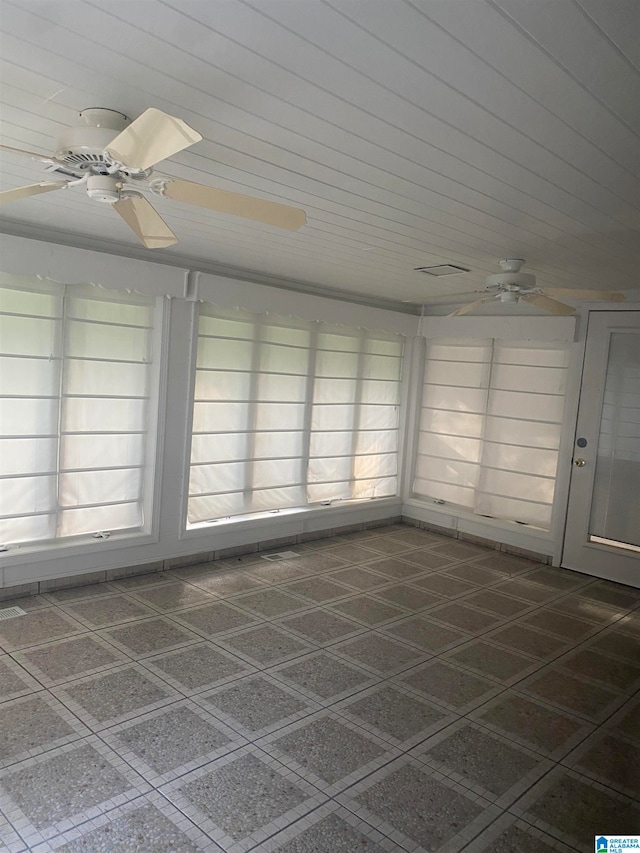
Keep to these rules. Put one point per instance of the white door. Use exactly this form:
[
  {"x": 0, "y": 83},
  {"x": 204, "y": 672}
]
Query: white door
[{"x": 602, "y": 536}]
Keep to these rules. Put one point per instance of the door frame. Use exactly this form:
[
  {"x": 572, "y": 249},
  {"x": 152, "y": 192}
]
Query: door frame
[{"x": 620, "y": 566}]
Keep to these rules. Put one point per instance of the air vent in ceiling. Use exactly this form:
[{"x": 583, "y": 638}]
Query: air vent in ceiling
[{"x": 443, "y": 269}]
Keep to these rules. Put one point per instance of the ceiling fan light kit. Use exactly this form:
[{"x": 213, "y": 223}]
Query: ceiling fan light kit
[{"x": 114, "y": 159}]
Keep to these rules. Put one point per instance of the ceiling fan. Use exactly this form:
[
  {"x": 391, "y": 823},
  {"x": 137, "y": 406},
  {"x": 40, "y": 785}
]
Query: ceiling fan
[
  {"x": 113, "y": 159},
  {"x": 512, "y": 286}
]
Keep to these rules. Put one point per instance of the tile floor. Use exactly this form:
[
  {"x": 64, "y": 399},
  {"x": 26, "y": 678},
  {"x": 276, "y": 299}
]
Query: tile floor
[{"x": 390, "y": 690}]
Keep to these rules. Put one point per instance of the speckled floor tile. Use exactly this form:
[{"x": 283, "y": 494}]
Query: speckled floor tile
[
  {"x": 318, "y": 589},
  {"x": 544, "y": 729},
  {"x": 256, "y": 704},
  {"x": 482, "y": 761},
  {"x": 32, "y": 724},
  {"x": 107, "y": 610},
  {"x": 395, "y": 569},
  {"x": 409, "y": 597},
  {"x": 172, "y": 596},
  {"x": 119, "y": 693},
  {"x": 493, "y": 661},
  {"x": 68, "y": 783},
  {"x": 427, "y": 560},
  {"x": 586, "y": 608},
  {"x": 214, "y": 619},
  {"x": 353, "y": 553},
  {"x": 244, "y": 795},
  {"x": 265, "y": 645},
  {"x": 444, "y": 585},
  {"x": 388, "y": 545},
  {"x": 414, "y": 536},
  {"x": 368, "y": 610},
  {"x": 613, "y": 642},
  {"x": 177, "y": 738},
  {"x": 535, "y": 593},
  {"x": 322, "y": 676},
  {"x": 148, "y": 636},
  {"x": 620, "y": 596},
  {"x": 426, "y": 634},
  {"x": 509, "y": 835},
  {"x": 584, "y": 698},
  {"x": 574, "y": 809},
  {"x": 626, "y": 721},
  {"x": 146, "y": 828},
  {"x": 197, "y": 667},
  {"x": 77, "y": 593},
  {"x": 611, "y": 672},
  {"x": 532, "y": 665},
  {"x": 467, "y": 619},
  {"x": 456, "y": 688},
  {"x": 279, "y": 572},
  {"x": 270, "y": 603},
  {"x": 495, "y": 602},
  {"x": 406, "y": 802},
  {"x": 36, "y": 627},
  {"x": 523, "y": 639},
  {"x": 473, "y": 573},
  {"x": 326, "y": 750},
  {"x": 320, "y": 562},
  {"x": 561, "y": 579},
  {"x": 609, "y": 760},
  {"x": 62, "y": 660},
  {"x": 227, "y": 584},
  {"x": 395, "y": 714},
  {"x": 337, "y": 831},
  {"x": 506, "y": 564},
  {"x": 462, "y": 550},
  {"x": 28, "y": 603},
  {"x": 358, "y": 578},
  {"x": 321, "y": 626},
  {"x": 14, "y": 680},
  {"x": 379, "y": 653}
]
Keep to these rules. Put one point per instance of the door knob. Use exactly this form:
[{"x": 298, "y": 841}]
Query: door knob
[{"x": 579, "y": 463}]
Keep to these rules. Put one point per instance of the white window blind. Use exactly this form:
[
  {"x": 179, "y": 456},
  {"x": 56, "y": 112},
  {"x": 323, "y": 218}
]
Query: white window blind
[
  {"x": 288, "y": 412},
  {"x": 74, "y": 387},
  {"x": 490, "y": 427}
]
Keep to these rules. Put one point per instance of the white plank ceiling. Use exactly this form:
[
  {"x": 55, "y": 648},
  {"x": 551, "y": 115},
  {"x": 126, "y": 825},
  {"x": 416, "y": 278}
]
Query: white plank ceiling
[{"x": 413, "y": 132}]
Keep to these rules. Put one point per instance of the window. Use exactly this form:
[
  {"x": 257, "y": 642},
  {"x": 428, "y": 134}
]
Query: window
[
  {"x": 288, "y": 413},
  {"x": 490, "y": 427},
  {"x": 75, "y": 381}
]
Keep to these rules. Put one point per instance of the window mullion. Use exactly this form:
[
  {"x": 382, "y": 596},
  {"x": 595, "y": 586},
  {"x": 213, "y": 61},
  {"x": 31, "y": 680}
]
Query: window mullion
[
  {"x": 308, "y": 407},
  {"x": 62, "y": 346},
  {"x": 357, "y": 409},
  {"x": 252, "y": 416}
]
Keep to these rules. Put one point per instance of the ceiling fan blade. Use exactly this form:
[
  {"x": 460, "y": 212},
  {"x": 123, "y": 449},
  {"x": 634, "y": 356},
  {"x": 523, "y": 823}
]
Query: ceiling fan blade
[
  {"x": 145, "y": 222},
  {"x": 41, "y": 157},
  {"x": 269, "y": 212},
  {"x": 152, "y": 137},
  {"x": 447, "y": 298},
  {"x": 467, "y": 309},
  {"x": 550, "y": 305},
  {"x": 31, "y": 189},
  {"x": 568, "y": 293}
]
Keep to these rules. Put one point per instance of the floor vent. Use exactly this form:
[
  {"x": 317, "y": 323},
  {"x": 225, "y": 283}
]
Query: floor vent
[
  {"x": 281, "y": 555},
  {"x": 11, "y": 613}
]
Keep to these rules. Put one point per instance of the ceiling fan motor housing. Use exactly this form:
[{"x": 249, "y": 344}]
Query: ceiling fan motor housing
[
  {"x": 512, "y": 279},
  {"x": 81, "y": 148}
]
